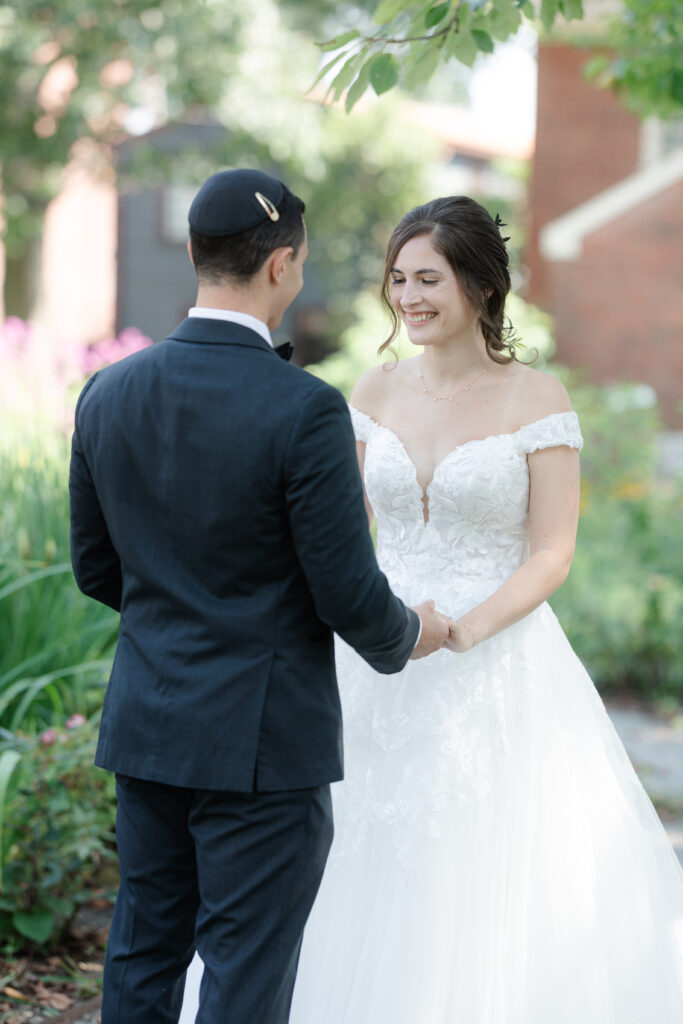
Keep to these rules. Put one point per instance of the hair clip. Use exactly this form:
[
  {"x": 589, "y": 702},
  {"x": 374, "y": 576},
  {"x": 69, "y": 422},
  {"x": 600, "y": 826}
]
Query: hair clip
[
  {"x": 501, "y": 224},
  {"x": 269, "y": 207}
]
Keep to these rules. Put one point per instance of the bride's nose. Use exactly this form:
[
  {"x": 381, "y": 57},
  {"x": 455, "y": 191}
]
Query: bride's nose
[{"x": 411, "y": 296}]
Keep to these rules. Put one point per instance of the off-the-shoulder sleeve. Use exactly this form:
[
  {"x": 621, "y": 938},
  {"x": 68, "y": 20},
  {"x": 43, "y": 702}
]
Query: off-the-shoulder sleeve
[
  {"x": 557, "y": 429},
  {"x": 362, "y": 424}
]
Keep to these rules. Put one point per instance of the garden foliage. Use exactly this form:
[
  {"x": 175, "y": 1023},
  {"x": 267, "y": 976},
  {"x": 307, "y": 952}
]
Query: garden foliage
[
  {"x": 623, "y": 601},
  {"x": 57, "y": 818},
  {"x": 55, "y": 644}
]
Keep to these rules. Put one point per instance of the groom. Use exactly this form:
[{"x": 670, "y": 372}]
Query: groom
[{"x": 216, "y": 503}]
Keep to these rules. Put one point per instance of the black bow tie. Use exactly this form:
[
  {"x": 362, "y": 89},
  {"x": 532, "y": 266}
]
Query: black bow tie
[{"x": 285, "y": 350}]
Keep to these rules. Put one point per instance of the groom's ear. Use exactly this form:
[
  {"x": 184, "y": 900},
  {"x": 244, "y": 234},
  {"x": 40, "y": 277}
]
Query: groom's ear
[
  {"x": 277, "y": 262},
  {"x": 189, "y": 251}
]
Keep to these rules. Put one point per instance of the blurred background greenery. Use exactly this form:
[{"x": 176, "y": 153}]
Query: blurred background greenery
[{"x": 95, "y": 87}]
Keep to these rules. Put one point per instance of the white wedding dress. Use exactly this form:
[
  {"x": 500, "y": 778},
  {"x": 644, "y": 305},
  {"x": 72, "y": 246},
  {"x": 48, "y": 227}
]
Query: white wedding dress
[{"x": 496, "y": 860}]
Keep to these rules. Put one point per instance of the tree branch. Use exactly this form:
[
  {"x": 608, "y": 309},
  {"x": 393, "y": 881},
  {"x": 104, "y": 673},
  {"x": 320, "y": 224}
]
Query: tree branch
[{"x": 455, "y": 20}]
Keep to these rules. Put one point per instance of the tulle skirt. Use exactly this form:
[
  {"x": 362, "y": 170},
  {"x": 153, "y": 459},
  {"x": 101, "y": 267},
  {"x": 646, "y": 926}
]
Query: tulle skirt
[{"x": 496, "y": 860}]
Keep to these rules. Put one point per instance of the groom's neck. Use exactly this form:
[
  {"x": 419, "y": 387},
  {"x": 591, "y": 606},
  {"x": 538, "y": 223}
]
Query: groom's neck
[{"x": 249, "y": 298}]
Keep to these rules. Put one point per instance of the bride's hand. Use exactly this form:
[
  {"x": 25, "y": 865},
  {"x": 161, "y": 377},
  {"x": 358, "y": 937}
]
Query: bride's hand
[{"x": 460, "y": 637}]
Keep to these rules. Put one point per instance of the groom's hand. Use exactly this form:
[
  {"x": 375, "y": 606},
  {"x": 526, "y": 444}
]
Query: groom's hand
[{"x": 435, "y": 630}]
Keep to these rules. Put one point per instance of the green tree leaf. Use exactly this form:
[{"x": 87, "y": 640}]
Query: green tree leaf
[
  {"x": 383, "y": 72},
  {"x": 388, "y": 9},
  {"x": 573, "y": 9},
  {"x": 36, "y": 926},
  {"x": 463, "y": 47},
  {"x": 358, "y": 87},
  {"x": 334, "y": 44},
  {"x": 346, "y": 75},
  {"x": 423, "y": 67},
  {"x": 327, "y": 67},
  {"x": 436, "y": 14},
  {"x": 483, "y": 40},
  {"x": 504, "y": 20},
  {"x": 548, "y": 12}
]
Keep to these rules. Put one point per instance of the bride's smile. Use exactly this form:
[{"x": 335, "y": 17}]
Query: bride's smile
[{"x": 428, "y": 297}]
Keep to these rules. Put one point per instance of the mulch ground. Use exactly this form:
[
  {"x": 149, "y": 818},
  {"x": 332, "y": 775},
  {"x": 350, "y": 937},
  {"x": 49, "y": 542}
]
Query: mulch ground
[{"x": 62, "y": 987}]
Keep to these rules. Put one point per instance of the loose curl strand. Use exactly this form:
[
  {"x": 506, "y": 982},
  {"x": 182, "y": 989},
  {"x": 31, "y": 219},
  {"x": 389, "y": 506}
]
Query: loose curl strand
[{"x": 467, "y": 236}]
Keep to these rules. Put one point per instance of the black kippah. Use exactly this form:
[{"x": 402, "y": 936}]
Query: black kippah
[{"x": 232, "y": 201}]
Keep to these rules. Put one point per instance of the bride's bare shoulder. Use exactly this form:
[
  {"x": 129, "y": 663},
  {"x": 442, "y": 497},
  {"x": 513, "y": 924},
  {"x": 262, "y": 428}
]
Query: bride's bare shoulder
[
  {"x": 372, "y": 390},
  {"x": 539, "y": 394}
]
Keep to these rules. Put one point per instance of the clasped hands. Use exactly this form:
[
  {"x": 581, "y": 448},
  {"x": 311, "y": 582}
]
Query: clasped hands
[{"x": 440, "y": 631}]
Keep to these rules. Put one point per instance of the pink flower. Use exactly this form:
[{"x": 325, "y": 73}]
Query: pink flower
[
  {"x": 110, "y": 350},
  {"x": 75, "y": 721},
  {"x": 48, "y": 737},
  {"x": 15, "y": 333}
]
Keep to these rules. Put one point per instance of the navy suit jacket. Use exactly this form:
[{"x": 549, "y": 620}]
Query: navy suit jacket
[{"x": 216, "y": 503}]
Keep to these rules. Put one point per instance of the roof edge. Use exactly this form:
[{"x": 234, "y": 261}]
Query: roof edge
[{"x": 561, "y": 240}]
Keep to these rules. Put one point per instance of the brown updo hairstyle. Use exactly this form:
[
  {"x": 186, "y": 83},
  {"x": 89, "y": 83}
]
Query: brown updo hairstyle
[{"x": 469, "y": 238}]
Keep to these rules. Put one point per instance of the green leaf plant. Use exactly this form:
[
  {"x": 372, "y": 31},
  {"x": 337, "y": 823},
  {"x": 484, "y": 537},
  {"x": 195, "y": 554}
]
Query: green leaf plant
[{"x": 412, "y": 38}]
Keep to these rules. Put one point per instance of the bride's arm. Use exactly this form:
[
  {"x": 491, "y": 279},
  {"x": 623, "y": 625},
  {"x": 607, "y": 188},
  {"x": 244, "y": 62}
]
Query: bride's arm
[{"x": 553, "y": 517}]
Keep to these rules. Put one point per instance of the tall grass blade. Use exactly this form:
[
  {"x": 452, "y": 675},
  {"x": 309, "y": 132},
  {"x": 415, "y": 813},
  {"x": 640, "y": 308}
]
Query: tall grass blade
[{"x": 8, "y": 762}]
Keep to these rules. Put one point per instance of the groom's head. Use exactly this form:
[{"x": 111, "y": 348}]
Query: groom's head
[{"x": 246, "y": 227}]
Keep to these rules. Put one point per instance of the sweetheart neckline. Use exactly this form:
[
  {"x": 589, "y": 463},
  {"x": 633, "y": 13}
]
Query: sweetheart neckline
[
  {"x": 464, "y": 444},
  {"x": 424, "y": 491}
]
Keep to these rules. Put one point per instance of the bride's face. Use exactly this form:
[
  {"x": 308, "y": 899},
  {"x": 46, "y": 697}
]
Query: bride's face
[{"x": 427, "y": 295}]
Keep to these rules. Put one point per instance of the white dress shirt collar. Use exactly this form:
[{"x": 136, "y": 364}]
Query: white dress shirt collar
[{"x": 245, "y": 319}]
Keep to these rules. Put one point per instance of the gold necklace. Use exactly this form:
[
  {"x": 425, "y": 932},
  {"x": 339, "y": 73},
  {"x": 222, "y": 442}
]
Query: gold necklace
[{"x": 448, "y": 398}]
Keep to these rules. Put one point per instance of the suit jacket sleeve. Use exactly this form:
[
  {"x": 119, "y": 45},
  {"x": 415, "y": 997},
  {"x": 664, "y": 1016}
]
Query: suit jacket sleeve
[
  {"x": 96, "y": 565},
  {"x": 330, "y": 531}
]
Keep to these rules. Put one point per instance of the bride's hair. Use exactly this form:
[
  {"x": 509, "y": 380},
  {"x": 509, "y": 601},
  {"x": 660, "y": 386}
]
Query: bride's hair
[{"x": 469, "y": 238}]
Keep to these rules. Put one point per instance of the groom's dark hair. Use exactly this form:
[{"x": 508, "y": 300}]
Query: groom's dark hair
[{"x": 242, "y": 255}]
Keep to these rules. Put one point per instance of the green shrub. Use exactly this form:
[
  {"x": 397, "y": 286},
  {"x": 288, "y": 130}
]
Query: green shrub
[
  {"x": 622, "y": 604},
  {"x": 55, "y": 644},
  {"x": 57, "y": 816}
]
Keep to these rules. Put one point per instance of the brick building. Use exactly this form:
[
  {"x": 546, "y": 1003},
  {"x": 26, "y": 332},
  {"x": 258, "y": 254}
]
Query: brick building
[{"x": 605, "y": 255}]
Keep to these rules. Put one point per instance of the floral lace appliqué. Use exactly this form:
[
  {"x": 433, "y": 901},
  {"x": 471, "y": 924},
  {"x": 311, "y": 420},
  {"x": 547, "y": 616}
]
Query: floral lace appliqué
[{"x": 431, "y": 737}]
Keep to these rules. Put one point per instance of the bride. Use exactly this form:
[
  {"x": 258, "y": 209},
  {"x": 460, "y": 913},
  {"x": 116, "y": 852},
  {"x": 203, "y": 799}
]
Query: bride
[{"x": 496, "y": 860}]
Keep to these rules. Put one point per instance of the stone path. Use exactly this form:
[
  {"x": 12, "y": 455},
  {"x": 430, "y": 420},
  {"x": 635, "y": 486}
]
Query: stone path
[{"x": 655, "y": 746}]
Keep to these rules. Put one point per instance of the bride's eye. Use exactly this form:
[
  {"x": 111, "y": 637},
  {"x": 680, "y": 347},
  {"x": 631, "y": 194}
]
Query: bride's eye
[
  {"x": 426, "y": 281},
  {"x": 397, "y": 280}
]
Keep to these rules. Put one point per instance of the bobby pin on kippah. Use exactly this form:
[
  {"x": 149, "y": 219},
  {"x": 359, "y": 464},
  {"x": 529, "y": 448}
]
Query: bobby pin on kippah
[
  {"x": 269, "y": 207},
  {"x": 501, "y": 224}
]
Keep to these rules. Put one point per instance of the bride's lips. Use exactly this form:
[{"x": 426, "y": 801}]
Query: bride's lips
[{"x": 417, "y": 319}]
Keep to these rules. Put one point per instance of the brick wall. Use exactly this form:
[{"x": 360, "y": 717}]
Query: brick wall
[
  {"x": 618, "y": 310},
  {"x": 585, "y": 142}
]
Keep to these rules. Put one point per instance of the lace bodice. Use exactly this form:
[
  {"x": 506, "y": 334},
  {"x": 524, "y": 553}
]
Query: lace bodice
[
  {"x": 476, "y": 533},
  {"x": 430, "y": 738}
]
